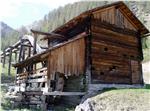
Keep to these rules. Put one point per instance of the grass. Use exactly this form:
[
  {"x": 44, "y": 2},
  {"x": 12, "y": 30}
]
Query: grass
[
  {"x": 5, "y": 70},
  {"x": 4, "y": 74},
  {"x": 121, "y": 100},
  {"x": 147, "y": 86}
]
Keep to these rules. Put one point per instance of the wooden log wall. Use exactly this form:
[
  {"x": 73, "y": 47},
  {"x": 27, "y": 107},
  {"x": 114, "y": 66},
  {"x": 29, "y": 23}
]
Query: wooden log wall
[
  {"x": 68, "y": 59},
  {"x": 112, "y": 56}
]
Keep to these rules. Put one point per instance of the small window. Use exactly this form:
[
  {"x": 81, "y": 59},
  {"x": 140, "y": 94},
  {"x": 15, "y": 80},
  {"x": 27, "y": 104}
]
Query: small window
[
  {"x": 132, "y": 56},
  {"x": 124, "y": 55},
  {"x": 101, "y": 73},
  {"x": 105, "y": 49},
  {"x": 112, "y": 68},
  {"x": 93, "y": 68}
]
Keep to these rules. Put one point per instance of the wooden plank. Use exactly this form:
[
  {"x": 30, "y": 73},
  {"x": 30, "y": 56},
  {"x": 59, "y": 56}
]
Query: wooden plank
[
  {"x": 100, "y": 38},
  {"x": 37, "y": 80},
  {"x": 64, "y": 93},
  {"x": 48, "y": 35},
  {"x": 20, "y": 81},
  {"x": 42, "y": 69},
  {"x": 32, "y": 102},
  {"x": 113, "y": 28},
  {"x": 125, "y": 55},
  {"x": 110, "y": 35},
  {"x": 114, "y": 75},
  {"x": 68, "y": 59},
  {"x": 32, "y": 93},
  {"x": 22, "y": 74},
  {"x": 100, "y": 45},
  {"x": 38, "y": 74},
  {"x": 21, "y": 78}
]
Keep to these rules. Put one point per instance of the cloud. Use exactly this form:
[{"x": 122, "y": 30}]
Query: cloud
[{"x": 8, "y": 8}]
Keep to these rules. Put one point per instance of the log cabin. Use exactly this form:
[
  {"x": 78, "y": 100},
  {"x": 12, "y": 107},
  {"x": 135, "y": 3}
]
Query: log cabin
[{"x": 100, "y": 46}]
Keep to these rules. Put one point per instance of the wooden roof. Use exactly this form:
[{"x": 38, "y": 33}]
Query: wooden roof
[{"x": 125, "y": 10}]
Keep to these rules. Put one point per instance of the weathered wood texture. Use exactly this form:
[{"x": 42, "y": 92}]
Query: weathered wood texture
[
  {"x": 112, "y": 53},
  {"x": 136, "y": 72},
  {"x": 114, "y": 16},
  {"x": 68, "y": 59}
]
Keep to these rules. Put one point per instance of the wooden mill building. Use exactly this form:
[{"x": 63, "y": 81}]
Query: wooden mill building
[{"x": 100, "y": 46}]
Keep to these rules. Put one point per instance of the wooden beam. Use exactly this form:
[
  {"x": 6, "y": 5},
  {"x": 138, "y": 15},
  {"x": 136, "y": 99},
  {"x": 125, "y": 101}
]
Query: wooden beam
[
  {"x": 32, "y": 93},
  {"x": 37, "y": 80},
  {"x": 44, "y": 47},
  {"x": 48, "y": 35},
  {"x": 37, "y": 75},
  {"x": 105, "y": 25},
  {"x": 64, "y": 93},
  {"x": 27, "y": 45}
]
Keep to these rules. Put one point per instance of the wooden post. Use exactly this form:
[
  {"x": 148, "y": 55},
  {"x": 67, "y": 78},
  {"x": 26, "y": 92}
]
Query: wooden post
[
  {"x": 16, "y": 55},
  {"x": 4, "y": 59},
  {"x": 141, "y": 57},
  {"x": 20, "y": 56},
  {"x": 34, "y": 48},
  {"x": 20, "y": 51},
  {"x": 3, "y": 62},
  {"x": 29, "y": 54},
  {"x": 9, "y": 65},
  {"x": 29, "y": 51},
  {"x": 88, "y": 53},
  {"x": 23, "y": 53},
  {"x": 35, "y": 40},
  {"x": 88, "y": 61}
]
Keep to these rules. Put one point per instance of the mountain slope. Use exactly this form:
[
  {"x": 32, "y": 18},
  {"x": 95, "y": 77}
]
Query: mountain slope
[
  {"x": 5, "y": 29},
  {"x": 8, "y": 35}
]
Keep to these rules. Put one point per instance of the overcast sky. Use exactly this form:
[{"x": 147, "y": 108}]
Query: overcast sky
[{"x": 16, "y": 13}]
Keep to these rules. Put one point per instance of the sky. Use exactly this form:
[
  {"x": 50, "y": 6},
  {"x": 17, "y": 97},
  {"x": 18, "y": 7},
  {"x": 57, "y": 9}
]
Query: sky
[{"x": 16, "y": 13}]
